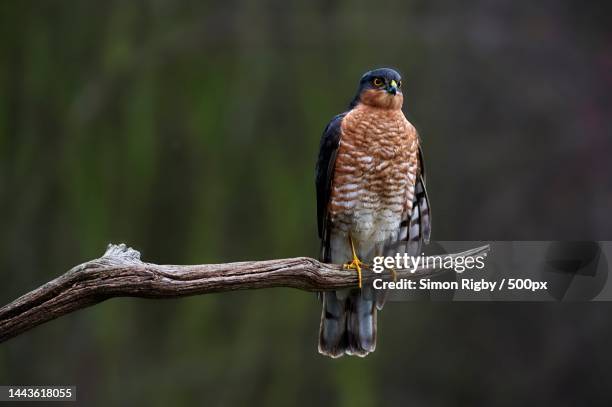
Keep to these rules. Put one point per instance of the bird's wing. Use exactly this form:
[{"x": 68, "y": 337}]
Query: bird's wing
[
  {"x": 421, "y": 211},
  {"x": 415, "y": 227},
  {"x": 323, "y": 177}
]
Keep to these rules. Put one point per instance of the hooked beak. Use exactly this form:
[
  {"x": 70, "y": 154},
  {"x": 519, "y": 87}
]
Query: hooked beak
[{"x": 392, "y": 88}]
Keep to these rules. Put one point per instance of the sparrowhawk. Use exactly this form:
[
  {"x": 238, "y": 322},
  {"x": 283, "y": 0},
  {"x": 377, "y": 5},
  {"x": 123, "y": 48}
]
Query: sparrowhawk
[{"x": 371, "y": 201}]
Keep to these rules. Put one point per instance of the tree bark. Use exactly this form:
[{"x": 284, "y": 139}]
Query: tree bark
[{"x": 121, "y": 273}]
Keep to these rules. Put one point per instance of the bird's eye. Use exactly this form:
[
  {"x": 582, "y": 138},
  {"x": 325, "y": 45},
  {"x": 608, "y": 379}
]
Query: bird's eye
[
  {"x": 378, "y": 82},
  {"x": 399, "y": 84}
]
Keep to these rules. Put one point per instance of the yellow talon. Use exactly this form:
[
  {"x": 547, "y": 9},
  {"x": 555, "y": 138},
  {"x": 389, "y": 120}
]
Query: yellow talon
[
  {"x": 394, "y": 274},
  {"x": 355, "y": 264}
]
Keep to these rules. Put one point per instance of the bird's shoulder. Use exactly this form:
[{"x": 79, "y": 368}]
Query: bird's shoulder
[
  {"x": 331, "y": 134},
  {"x": 324, "y": 171}
]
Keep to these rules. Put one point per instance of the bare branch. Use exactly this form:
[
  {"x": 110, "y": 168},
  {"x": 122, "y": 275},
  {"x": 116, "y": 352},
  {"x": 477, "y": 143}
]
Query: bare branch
[{"x": 121, "y": 273}]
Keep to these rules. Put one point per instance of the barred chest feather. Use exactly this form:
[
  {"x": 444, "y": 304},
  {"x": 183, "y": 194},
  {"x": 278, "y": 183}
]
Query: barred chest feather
[{"x": 375, "y": 174}]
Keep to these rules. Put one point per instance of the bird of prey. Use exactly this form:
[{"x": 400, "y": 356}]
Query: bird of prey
[{"x": 371, "y": 201}]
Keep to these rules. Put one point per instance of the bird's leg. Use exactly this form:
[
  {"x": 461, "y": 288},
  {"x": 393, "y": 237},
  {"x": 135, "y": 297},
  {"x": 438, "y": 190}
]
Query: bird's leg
[
  {"x": 393, "y": 273},
  {"x": 355, "y": 264}
]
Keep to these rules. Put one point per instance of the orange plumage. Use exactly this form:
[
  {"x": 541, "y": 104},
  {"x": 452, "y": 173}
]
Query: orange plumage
[{"x": 375, "y": 173}]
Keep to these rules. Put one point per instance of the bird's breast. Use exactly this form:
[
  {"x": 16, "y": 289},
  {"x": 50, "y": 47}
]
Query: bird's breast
[{"x": 375, "y": 173}]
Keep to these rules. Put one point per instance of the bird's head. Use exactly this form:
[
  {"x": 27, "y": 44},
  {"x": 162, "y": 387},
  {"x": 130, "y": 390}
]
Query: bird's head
[{"x": 380, "y": 88}]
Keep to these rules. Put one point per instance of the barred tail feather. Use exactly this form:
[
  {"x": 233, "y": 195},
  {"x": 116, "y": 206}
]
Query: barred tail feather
[
  {"x": 332, "y": 332},
  {"x": 348, "y": 326},
  {"x": 361, "y": 323}
]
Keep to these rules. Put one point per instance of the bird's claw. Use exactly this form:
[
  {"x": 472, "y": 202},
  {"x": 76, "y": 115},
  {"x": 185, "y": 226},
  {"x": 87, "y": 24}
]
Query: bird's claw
[
  {"x": 393, "y": 273},
  {"x": 355, "y": 264}
]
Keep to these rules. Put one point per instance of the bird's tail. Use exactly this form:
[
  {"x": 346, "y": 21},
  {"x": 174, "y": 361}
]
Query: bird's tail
[{"x": 348, "y": 323}]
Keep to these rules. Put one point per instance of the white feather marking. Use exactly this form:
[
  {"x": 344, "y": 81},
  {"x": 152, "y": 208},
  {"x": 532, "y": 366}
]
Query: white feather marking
[
  {"x": 346, "y": 187},
  {"x": 349, "y": 195},
  {"x": 344, "y": 204}
]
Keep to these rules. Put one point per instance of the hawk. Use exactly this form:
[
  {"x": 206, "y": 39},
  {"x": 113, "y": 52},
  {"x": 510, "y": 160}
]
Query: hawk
[{"x": 371, "y": 201}]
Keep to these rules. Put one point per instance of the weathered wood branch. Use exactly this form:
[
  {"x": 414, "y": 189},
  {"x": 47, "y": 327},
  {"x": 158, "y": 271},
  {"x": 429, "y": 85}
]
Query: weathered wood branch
[{"x": 121, "y": 273}]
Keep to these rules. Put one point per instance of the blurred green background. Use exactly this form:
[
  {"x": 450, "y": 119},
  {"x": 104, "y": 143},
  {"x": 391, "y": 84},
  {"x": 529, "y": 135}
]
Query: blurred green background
[{"x": 189, "y": 130}]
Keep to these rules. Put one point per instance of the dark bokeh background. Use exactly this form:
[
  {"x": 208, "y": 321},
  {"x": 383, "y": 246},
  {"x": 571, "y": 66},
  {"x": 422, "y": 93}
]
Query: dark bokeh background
[{"x": 189, "y": 130}]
